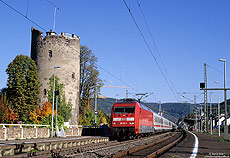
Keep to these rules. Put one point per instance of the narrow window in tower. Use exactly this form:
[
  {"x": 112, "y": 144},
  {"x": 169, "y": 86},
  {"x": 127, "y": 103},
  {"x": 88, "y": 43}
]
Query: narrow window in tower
[
  {"x": 73, "y": 75},
  {"x": 50, "y": 54},
  {"x": 45, "y": 92}
]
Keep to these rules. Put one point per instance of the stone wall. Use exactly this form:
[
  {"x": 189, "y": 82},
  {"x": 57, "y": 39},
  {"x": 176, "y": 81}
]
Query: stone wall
[
  {"x": 73, "y": 131},
  {"x": 7, "y": 133},
  {"x": 23, "y": 133}
]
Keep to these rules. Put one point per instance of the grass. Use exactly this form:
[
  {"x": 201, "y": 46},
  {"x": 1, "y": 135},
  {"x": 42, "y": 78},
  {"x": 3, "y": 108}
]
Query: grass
[{"x": 225, "y": 140}]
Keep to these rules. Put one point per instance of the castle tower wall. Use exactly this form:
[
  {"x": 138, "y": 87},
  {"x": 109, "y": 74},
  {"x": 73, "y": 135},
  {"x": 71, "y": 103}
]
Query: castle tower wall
[{"x": 58, "y": 50}]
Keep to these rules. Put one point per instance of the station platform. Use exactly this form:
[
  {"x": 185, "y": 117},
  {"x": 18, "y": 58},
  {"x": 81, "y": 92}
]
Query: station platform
[
  {"x": 13, "y": 147},
  {"x": 204, "y": 146}
]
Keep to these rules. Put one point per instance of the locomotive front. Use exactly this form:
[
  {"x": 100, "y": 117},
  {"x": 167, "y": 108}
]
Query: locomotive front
[{"x": 123, "y": 120}]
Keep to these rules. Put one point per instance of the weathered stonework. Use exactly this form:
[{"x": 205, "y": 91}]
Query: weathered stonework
[
  {"x": 58, "y": 50},
  {"x": 23, "y": 133}
]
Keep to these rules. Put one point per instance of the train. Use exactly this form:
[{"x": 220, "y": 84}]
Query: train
[{"x": 131, "y": 119}]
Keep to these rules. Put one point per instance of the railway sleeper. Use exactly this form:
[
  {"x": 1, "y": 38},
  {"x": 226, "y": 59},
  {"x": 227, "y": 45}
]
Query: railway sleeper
[{"x": 130, "y": 151}]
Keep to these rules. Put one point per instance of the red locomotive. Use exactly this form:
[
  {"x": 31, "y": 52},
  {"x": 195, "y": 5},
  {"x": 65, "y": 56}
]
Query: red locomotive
[{"x": 132, "y": 119}]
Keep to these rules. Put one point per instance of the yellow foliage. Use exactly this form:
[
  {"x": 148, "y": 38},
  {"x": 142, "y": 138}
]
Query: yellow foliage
[
  {"x": 103, "y": 120},
  {"x": 34, "y": 116},
  {"x": 40, "y": 113},
  {"x": 46, "y": 109}
]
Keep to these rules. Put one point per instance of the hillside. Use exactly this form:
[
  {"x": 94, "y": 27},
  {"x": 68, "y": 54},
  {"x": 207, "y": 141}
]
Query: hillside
[{"x": 172, "y": 111}]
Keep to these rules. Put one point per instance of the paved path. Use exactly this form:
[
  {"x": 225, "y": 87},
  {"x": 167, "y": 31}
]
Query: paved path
[
  {"x": 211, "y": 146},
  {"x": 208, "y": 147}
]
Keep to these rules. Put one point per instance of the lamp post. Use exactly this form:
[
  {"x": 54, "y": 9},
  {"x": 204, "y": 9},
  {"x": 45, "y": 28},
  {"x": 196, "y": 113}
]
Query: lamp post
[
  {"x": 210, "y": 114},
  {"x": 195, "y": 112},
  {"x": 95, "y": 108},
  {"x": 218, "y": 108},
  {"x": 56, "y": 93},
  {"x": 225, "y": 101},
  {"x": 55, "y": 67}
]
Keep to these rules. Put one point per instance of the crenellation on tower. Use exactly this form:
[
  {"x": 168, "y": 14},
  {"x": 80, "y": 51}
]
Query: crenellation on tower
[{"x": 58, "y": 50}]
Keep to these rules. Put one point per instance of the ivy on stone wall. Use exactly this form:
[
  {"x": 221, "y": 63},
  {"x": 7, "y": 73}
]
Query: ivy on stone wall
[{"x": 64, "y": 108}]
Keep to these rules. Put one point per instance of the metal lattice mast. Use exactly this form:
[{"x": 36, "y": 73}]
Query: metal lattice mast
[{"x": 205, "y": 98}]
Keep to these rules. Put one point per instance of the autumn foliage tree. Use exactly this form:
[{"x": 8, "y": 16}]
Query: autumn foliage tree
[
  {"x": 23, "y": 86},
  {"x": 43, "y": 115},
  {"x": 89, "y": 78},
  {"x": 38, "y": 114},
  {"x": 7, "y": 115}
]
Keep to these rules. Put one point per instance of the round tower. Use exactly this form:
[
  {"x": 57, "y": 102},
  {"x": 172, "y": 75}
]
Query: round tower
[{"x": 58, "y": 50}]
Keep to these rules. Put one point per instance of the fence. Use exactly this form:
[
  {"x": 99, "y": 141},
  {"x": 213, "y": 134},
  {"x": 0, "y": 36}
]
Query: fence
[
  {"x": 23, "y": 131},
  {"x": 28, "y": 131}
]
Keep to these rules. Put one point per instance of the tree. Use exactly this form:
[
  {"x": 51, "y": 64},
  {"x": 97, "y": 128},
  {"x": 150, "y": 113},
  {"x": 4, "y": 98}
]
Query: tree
[
  {"x": 43, "y": 115},
  {"x": 88, "y": 118},
  {"x": 89, "y": 77},
  {"x": 7, "y": 115},
  {"x": 23, "y": 86},
  {"x": 64, "y": 109},
  {"x": 3, "y": 108}
]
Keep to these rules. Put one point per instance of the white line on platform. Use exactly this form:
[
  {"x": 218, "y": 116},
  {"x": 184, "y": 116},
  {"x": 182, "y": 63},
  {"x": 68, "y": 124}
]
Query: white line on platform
[{"x": 195, "y": 149}]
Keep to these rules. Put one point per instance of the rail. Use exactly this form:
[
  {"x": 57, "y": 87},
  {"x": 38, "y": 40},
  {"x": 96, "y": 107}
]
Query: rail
[
  {"x": 156, "y": 152},
  {"x": 165, "y": 148}
]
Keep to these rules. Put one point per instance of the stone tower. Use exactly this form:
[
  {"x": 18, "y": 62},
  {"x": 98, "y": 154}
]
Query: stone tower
[{"x": 58, "y": 50}]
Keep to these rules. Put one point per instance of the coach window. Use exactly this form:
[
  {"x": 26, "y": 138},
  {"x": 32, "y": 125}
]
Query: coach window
[{"x": 161, "y": 120}]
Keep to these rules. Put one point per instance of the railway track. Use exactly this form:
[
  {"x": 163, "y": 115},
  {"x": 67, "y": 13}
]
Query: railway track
[
  {"x": 153, "y": 149},
  {"x": 115, "y": 149}
]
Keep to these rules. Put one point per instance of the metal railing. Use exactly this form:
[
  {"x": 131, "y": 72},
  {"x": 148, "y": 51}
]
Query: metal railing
[{"x": 7, "y": 127}]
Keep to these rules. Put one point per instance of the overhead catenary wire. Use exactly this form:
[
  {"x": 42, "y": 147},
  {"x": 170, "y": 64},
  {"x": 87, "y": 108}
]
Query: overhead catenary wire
[
  {"x": 115, "y": 63},
  {"x": 216, "y": 69},
  {"x": 42, "y": 28},
  {"x": 228, "y": 82},
  {"x": 111, "y": 74},
  {"x": 72, "y": 47},
  {"x": 155, "y": 46},
  {"x": 115, "y": 77},
  {"x": 25, "y": 16},
  {"x": 150, "y": 50}
]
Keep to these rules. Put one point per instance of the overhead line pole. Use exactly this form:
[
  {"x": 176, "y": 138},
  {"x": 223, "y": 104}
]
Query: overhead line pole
[{"x": 205, "y": 98}]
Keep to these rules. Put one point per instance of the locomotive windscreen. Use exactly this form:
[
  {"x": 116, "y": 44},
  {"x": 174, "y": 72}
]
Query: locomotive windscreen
[{"x": 129, "y": 109}]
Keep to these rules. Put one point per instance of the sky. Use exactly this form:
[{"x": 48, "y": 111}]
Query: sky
[{"x": 161, "y": 53}]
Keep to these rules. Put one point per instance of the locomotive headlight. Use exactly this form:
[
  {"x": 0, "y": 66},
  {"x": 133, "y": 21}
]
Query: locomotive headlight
[
  {"x": 116, "y": 119},
  {"x": 130, "y": 118}
]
